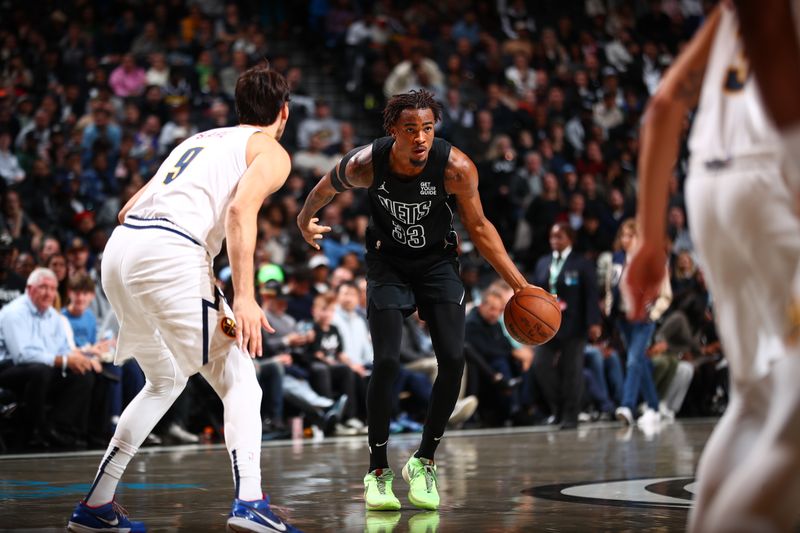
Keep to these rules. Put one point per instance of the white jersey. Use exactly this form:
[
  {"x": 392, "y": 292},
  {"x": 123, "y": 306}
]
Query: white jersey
[
  {"x": 731, "y": 121},
  {"x": 195, "y": 184}
]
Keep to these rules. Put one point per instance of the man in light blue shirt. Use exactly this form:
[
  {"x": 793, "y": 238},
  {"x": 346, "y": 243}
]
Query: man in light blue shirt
[{"x": 36, "y": 361}]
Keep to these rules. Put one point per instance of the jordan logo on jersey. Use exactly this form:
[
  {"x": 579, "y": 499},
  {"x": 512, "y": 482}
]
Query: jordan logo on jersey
[
  {"x": 426, "y": 189},
  {"x": 406, "y": 213},
  {"x": 383, "y": 188}
]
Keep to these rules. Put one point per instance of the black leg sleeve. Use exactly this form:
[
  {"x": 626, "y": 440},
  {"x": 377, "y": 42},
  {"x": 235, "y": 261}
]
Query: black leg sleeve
[
  {"x": 386, "y": 327},
  {"x": 446, "y": 323}
]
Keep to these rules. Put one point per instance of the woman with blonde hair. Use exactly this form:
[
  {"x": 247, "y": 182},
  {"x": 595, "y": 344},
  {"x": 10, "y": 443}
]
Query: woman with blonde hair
[{"x": 635, "y": 334}]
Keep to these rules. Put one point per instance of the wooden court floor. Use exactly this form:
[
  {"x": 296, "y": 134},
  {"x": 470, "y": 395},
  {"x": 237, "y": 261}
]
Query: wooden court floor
[{"x": 600, "y": 477}]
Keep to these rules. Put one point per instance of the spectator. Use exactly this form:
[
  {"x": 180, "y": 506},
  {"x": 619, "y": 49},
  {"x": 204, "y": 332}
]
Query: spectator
[
  {"x": 322, "y": 123},
  {"x": 457, "y": 118},
  {"x": 23, "y": 267},
  {"x": 484, "y": 335},
  {"x": 677, "y": 230},
  {"x": 607, "y": 114},
  {"x": 83, "y": 328},
  {"x": 330, "y": 376},
  {"x": 515, "y": 17},
  {"x": 312, "y": 162},
  {"x": 37, "y": 132},
  {"x": 528, "y": 183},
  {"x": 176, "y": 130},
  {"x": 128, "y": 79},
  {"x": 147, "y": 42},
  {"x": 353, "y": 329},
  {"x": 542, "y": 213},
  {"x": 38, "y": 364},
  {"x": 102, "y": 131},
  {"x": 520, "y": 75},
  {"x": 406, "y": 75},
  {"x": 319, "y": 265},
  {"x": 10, "y": 170},
  {"x": 636, "y": 336},
  {"x": 558, "y": 363},
  {"x": 158, "y": 73},
  {"x": 230, "y": 73},
  {"x": 12, "y": 284},
  {"x": 57, "y": 264},
  {"x": 17, "y": 223}
]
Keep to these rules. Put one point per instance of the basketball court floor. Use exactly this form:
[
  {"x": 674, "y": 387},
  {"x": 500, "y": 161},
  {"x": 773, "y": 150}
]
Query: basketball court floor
[{"x": 601, "y": 477}]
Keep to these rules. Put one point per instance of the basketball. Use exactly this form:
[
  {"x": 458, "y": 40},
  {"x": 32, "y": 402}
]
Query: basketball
[{"x": 532, "y": 316}]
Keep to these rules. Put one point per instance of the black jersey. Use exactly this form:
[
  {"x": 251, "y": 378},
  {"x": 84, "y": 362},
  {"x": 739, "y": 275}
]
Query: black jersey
[{"x": 410, "y": 217}]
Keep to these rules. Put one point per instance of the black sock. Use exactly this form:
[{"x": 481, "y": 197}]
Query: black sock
[
  {"x": 377, "y": 456},
  {"x": 426, "y": 452}
]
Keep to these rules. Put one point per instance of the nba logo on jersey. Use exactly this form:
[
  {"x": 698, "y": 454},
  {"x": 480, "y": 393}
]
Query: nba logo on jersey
[
  {"x": 426, "y": 189},
  {"x": 228, "y": 327}
]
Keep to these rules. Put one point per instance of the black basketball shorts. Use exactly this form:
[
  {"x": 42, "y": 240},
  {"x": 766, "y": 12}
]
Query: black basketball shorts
[{"x": 408, "y": 284}]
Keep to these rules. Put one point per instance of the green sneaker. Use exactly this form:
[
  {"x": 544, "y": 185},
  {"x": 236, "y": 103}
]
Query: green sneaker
[
  {"x": 423, "y": 486},
  {"x": 381, "y": 521},
  {"x": 426, "y": 522},
  {"x": 378, "y": 493}
]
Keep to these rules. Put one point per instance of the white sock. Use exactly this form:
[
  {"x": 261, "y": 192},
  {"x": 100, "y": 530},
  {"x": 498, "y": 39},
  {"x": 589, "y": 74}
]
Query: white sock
[
  {"x": 234, "y": 380},
  {"x": 114, "y": 462},
  {"x": 247, "y": 474}
]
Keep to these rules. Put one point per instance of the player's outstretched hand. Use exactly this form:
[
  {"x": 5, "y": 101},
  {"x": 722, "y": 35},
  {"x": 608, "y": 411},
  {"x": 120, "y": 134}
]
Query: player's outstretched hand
[
  {"x": 313, "y": 231},
  {"x": 249, "y": 321},
  {"x": 642, "y": 279}
]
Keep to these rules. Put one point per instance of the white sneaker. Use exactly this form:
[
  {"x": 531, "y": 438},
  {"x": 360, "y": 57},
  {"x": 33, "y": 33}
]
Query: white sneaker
[
  {"x": 181, "y": 435},
  {"x": 344, "y": 431},
  {"x": 584, "y": 417},
  {"x": 463, "y": 410},
  {"x": 624, "y": 415},
  {"x": 354, "y": 423},
  {"x": 650, "y": 418}
]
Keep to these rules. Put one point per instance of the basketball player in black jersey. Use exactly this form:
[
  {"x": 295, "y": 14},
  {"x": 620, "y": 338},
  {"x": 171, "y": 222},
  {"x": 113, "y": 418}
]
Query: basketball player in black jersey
[{"x": 415, "y": 183}]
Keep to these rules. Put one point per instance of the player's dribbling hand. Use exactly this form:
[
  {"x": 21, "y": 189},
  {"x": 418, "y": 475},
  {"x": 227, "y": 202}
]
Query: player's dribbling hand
[
  {"x": 526, "y": 286},
  {"x": 249, "y": 321},
  {"x": 642, "y": 278},
  {"x": 312, "y": 232}
]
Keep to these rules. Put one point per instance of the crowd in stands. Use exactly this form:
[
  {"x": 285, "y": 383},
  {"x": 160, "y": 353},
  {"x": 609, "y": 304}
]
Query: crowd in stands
[{"x": 546, "y": 98}]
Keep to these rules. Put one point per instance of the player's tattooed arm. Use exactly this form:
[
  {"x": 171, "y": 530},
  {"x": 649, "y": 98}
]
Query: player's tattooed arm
[
  {"x": 688, "y": 88},
  {"x": 354, "y": 170},
  {"x": 461, "y": 180}
]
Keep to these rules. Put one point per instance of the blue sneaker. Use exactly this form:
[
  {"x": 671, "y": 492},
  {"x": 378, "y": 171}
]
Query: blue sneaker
[
  {"x": 109, "y": 517},
  {"x": 257, "y": 516}
]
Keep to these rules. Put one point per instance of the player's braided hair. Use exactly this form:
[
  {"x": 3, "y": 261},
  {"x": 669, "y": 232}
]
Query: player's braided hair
[{"x": 420, "y": 99}]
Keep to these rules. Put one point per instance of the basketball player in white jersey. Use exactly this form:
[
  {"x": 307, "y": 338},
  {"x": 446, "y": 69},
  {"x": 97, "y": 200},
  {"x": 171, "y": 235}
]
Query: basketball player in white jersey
[
  {"x": 747, "y": 234},
  {"x": 157, "y": 274}
]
